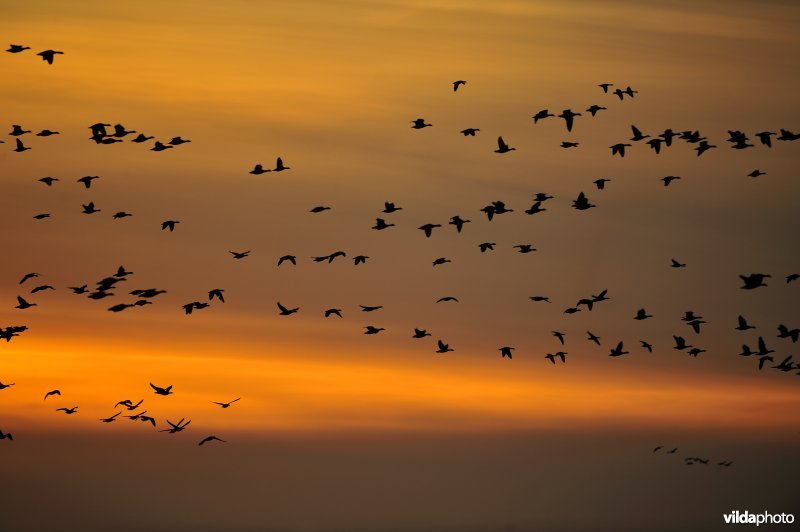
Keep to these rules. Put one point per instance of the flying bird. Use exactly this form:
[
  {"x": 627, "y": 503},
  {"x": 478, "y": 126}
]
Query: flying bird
[
  {"x": 210, "y": 438},
  {"x": 502, "y": 147},
  {"x": 226, "y": 405},
  {"x": 162, "y": 391},
  {"x": 286, "y": 311},
  {"x": 457, "y": 84},
  {"x": 49, "y": 55}
]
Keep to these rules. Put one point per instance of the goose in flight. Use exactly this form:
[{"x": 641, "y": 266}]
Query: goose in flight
[
  {"x": 457, "y": 84},
  {"x": 68, "y": 411},
  {"x": 6, "y": 436},
  {"x": 20, "y": 147},
  {"x": 17, "y": 48},
  {"x": 22, "y": 304},
  {"x": 539, "y": 298},
  {"x": 440, "y": 261},
  {"x": 49, "y": 55},
  {"x": 287, "y": 311},
  {"x": 469, "y": 132},
  {"x": 594, "y": 109},
  {"x": 211, "y": 438},
  {"x": 159, "y": 146},
  {"x": 541, "y": 115},
  {"x": 742, "y": 324},
  {"x": 785, "y": 332},
  {"x": 754, "y": 280},
  {"x": 458, "y": 222},
  {"x": 419, "y": 123},
  {"x": 642, "y": 314},
  {"x": 619, "y": 149},
  {"x": 127, "y": 403},
  {"x": 141, "y": 137},
  {"x": 109, "y": 419},
  {"x": 28, "y": 276},
  {"x": 525, "y": 248},
  {"x": 226, "y": 405},
  {"x": 4, "y": 386},
  {"x": 618, "y": 351},
  {"x": 669, "y": 179},
  {"x": 646, "y": 346},
  {"x": 566, "y": 144},
  {"x": 121, "y": 214},
  {"x": 176, "y": 427},
  {"x": 162, "y": 391},
  {"x": 290, "y": 258},
  {"x": 169, "y": 224},
  {"x": 365, "y": 308},
  {"x": 332, "y": 311},
  {"x": 559, "y": 354},
  {"x": 502, "y": 147},
  {"x": 756, "y": 173},
  {"x": 637, "y": 135},
  {"x": 373, "y": 330},
  {"x": 216, "y": 293},
  {"x": 420, "y": 333},
  {"x": 428, "y": 229},
  {"x": 560, "y": 336},
  {"x": 593, "y": 337},
  {"x": 87, "y": 180},
  {"x": 443, "y": 347},
  {"x": 486, "y": 245},
  {"x": 582, "y": 203},
  {"x": 360, "y": 259},
  {"x": 676, "y": 264},
  {"x": 52, "y": 392},
  {"x": 605, "y": 86},
  {"x": 48, "y": 180},
  {"x": 381, "y": 224},
  {"x": 89, "y": 208},
  {"x": 601, "y": 183},
  {"x": 239, "y": 254},
  {"x": 447, "y": 298},
  {"x": 569, "y": 117},
  {"x": 319, "y": 209},
  {"x": 505, "y": 351},
  {"x": 47, "y": 133}
]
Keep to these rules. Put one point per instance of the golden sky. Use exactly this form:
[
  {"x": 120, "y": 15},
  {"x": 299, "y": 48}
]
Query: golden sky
[{"x": 332, "y": 88}]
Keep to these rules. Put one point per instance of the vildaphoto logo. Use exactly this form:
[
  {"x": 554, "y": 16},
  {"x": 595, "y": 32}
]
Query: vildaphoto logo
[{"x": 765, "y": 518}]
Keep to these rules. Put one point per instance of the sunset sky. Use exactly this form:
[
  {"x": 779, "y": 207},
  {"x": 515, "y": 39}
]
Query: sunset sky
[{"x": 337, "y": 430}]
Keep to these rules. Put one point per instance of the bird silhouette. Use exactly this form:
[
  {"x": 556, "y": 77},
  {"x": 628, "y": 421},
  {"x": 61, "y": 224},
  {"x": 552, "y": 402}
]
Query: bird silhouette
[
  {"x": 443, "y": 347},
  {"x": 4, "y": 386},
  {"x": 169, "y": 224},
  {"x": 332, "y": 311},
  {"x": 594, "y": 109},
  {"x": 601, "y": 183},
  {"x": 162, "y": 391},
  {"x": 176, "y": 427},
  {"x": 381, "y": 224},
  {"x": 569, "y": 117},
  {"x": 566, "y": 144},
  {"x": 440, "y": 261},
  {"x": 110, "y": 419},
  {"x": 582, "y": 203},
  {"x": 605, "y": 86},
  {"x": 754, "y": 280},
  {"x": 447, "y": 298},
  {"x": 177, "y": 141},
  {"x": 17, "y": 130},
  {"x": 419, "y": 123},
  {"x": 389, "y": 207},
  {"x": 458, "y": 222},
  {"x": 420, "y": 333},
  {"x": 792, "y": 277},
  {"x": 641, "y": 314},
  {"x": 216, "y": 293},
  {"x": 541, "y": 115},
  {"x": 239, "y": 254},
  {"x": 28, "y": 276},
  {"x": 756, "y": 173},
  {"x": 290, "y": 258},
  {"x": 68, "y": 411},
  {"x": 560, "y": 336},
  {"x": 22, "y": 304},
  {"x": 593, "y": 337},
  {"x": 680, "y": 343},
  {"x": 669, "y": 179},
  {"x": 539, "y": 298},
  {"x": 457, "y": 84},
  {"x": 6, "y": 436},
  {"x": 469, "y": 132},
  {"x": 637, "y": 135},
  {"x": 20, "y": 147},
  {"x": 210, "y": 438},
  {"x": 49, "y": 55},
  {"x": 159, "y": 146},
  {"x": 47, "y": 133},
  {"x": 121, "y": 214},
  {"x": 525, "y": 248},
  {"x": 486, "y": 246},
  {"x": 17, "y": 48},
  {"x": 646, "y": 346},
  {"x": 48, "y": 180},
  {"x": 428, "y": 229},
  {"x": 370, "y": 329},
  {"x": 560, "y": 354},
  {"x": 506, "y": 351},
  {"x": 226, "y": 405},
  {"x": 287, "y": 311},
  {"x": 742, "y": 324},
  {"x": 365, "y": 308},
  {"x": 502, "y": 147},
  {"x": 360, "y": 259},
  {"x": 319, "y": 209},
  {"x": 90, "y": 208},
  {"x": 619, "y": 149},
  {"x": 87, "y": 180},
  {"x": 141, "y": 137},
  {"x": 618, "y": 351},
  {"x": 676, "y": 264}
]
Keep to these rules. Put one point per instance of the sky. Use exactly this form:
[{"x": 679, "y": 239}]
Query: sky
[{"x": 338, "y": 430}]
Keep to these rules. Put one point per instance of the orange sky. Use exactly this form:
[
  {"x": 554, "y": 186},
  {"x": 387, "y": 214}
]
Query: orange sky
[{"x": 332, "y": 88}]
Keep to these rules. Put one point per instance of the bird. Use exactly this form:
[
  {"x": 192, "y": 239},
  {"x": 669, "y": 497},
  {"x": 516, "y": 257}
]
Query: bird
[
  {"x": 428, "y": 229},
  {"x": 290, "y": 258},
  {"x": 370, "y": 329},
  {"x": 169, "y": 224},
  {"x": 566, "y": 144},
  {"x": 440, "y": 261},
  {"x": 159, "y": 146},
  {"x": 539, "y": 298},
  {"x": 637, "y": 135},
  {"x": 216, "y": 293},
  {"x": 525, "y": 248},
  {"x": 177, "y": 141},
  {"x": 703, "y": 147},
  {"x": 754, "y": 280},
  {"x": 17, "y": 130},
  {"x": 502, "y": 147},
  {"x": 619, "y": 149},
  {"x": 560, "y": 354},
  {"x": 360, "y": 259},
  {"x": 6, "y": 436},
  {"x": 176, "y": 427},
  {"x": 582, "y": 203},
  {"x": 17, "y": 48},
  {"x": 20, "y": 147},
  {"x": 48, "y": 180},
  {"x": 319, "y": 209},
  {"x": 332, "y": 311},
  {"x": 287, "y": 311},
  {"x": 742, "y": 324},
  {"x": 646, "y": 346},
  {"x": 641, "y": 314},
  {"x": 594, "y": 109},
  {"x": 560, "y": 336},
  {"x": 756, "y": 173},
  {"x": 593, "y": 337},
  {"x": 458, "y": 222},
  {"x": 601, "y": 183},
  {"x": 618, "y": 351},
  {"x": 541, "y": 115},
  {"x": 90, "y": 208},
  {"x": 676, "y": 264},
  {"x": 51, "y": 392},
  {"x": 785, "y": 332},
  {"x": 24, "y": 304},
  {"x": 535, "y": 208},
  {"x": 792, "y": 277},
  {"x": 680, "y": 343},
  {"x": 68, "y": 411},
  {"x": 569, "y": 117},
  {"x": 389, "y": 207},
  {"x": 457, "y": 84},
  {"x": 655, "y": 145},
  {"x": 239, "y": 254},
  {"x": 109, "y": 419},
  {"x": 506, "y": 351},
  {"x": 365, "y": 308},
  {"x": 120, "y": 307},
  {"x": 443, "y": 347},
  {"x": 49, "y": 55},
  {"x": 162, "y": 391},
  {"x": 210, "y": 438},
  {"x": 469, "y": 132},
  {"x": 4, "y": 386},
  {"x": 605, "y": 86},
  {"x": 486, "y": 245},
  {"x": 381, "y": 224},
  {"x": 419, "y": 123},
  {"x": 447, "y": 298},
  {"x": 695, "y": 325},
  {"x": 669, "y": 179},
  {"x": 87, "y": 180},
  {"x": 28, "y": 276},
  {"x": 121, "y": 214},
  {"x": 141, "y": 137},
  {"x": 120, "y": 131},
  {"x": 420, "y": 333},
  {"x": 657, "y": 448},
  {"x": 226, "y": 405},
  {"x": 41, "y": 216}
]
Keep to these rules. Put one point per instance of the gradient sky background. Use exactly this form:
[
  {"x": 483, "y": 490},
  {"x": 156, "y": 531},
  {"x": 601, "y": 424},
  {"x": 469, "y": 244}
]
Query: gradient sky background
[{"x": 341, "y": 431}]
